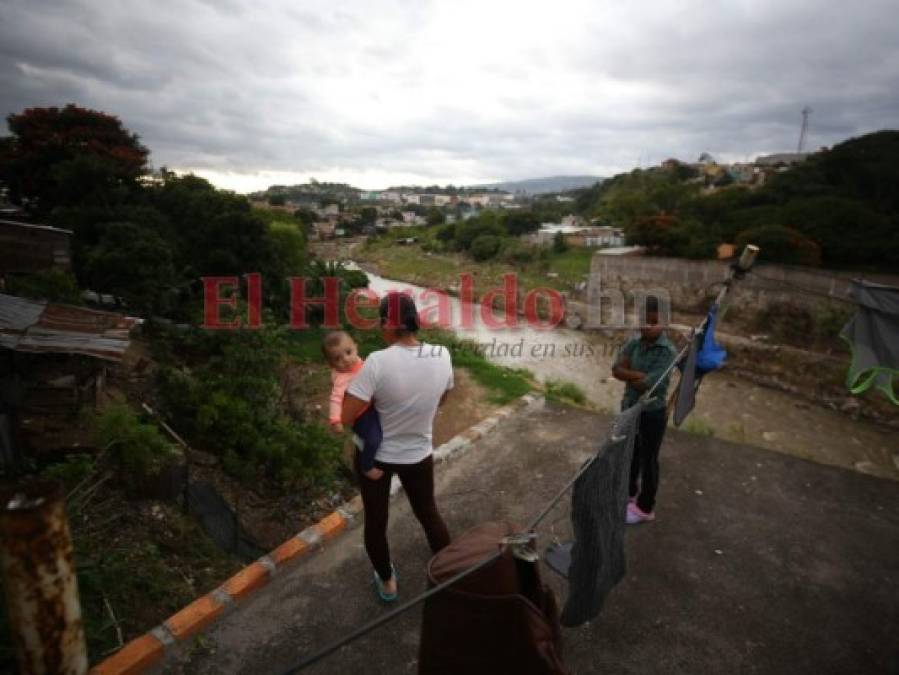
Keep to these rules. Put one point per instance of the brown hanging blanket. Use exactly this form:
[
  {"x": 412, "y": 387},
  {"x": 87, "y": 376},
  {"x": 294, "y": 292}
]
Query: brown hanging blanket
[{"x": 501, "y": 619}]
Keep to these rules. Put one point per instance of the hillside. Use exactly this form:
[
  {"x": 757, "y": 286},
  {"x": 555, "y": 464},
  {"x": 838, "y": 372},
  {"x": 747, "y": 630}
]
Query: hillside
[{"x": 839, "y": 208}]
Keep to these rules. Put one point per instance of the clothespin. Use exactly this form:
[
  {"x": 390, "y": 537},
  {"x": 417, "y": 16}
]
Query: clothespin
[{"x": 521, "y": 545}]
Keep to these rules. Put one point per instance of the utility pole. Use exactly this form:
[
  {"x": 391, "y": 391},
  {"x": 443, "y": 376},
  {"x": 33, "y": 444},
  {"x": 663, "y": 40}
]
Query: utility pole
[{"x": 806, "y": 111}]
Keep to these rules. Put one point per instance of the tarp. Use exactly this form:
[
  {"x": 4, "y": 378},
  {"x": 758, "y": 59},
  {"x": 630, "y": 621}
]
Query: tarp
[{"x": 873, "y": 335}]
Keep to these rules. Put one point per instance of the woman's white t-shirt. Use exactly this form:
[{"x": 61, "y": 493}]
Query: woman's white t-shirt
[{"x": 406, "y": 384}]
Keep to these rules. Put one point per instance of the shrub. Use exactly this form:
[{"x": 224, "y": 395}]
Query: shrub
[
  {"x": 781, "y": 244},
  {"x": 53, "y": 285},
  {"x": 517, "y": 252},
  {"x": 559, "y": 245},
  {"x": 138, "y": 449},
  {"x": 485, "y": 247}
]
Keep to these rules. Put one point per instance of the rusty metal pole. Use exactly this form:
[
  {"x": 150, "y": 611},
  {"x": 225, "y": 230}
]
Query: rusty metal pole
[{"x": 39, "y": 577}]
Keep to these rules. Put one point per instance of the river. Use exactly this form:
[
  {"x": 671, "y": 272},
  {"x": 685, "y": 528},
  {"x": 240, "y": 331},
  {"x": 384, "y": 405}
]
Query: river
[{"x": 727, "y": 406}]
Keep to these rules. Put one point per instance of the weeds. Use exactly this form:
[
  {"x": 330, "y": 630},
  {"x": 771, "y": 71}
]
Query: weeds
[{"x": 557, "y": 390}]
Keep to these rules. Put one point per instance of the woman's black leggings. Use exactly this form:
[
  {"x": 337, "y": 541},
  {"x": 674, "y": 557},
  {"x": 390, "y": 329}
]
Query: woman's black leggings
[{"x": 418, "y": 483}]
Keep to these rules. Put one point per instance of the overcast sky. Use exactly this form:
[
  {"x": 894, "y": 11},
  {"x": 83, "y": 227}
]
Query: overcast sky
[{"x": 381, "y": 92}]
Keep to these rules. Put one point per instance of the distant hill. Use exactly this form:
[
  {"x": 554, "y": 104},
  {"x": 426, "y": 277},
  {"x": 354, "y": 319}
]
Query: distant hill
[{"x": 536, "y": 186}]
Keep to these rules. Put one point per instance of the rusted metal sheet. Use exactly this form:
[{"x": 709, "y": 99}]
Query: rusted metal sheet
[
  {"x": 33, "y": 326},
  {"x": 39, "y": 576},
  {"x": 26, "y": 247}
]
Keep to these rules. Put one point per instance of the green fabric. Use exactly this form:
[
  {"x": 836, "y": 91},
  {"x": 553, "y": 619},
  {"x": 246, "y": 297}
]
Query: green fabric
[
  {"x": 859, "y": 379},
  {"x": 652, "y": 358},
  {"x": 873, "y": 336}
]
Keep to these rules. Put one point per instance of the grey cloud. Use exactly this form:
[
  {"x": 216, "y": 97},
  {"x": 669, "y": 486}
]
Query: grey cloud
[{"x": 248, "y": 87}]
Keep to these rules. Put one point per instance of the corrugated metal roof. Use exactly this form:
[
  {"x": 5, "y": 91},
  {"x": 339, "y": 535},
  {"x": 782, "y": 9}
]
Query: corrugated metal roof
[
  {"x": 34, "y": 326},
  {"x": 35, "y": 226}
]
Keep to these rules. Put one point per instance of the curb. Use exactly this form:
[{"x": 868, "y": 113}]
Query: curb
[{"x": 150, "y": 649}]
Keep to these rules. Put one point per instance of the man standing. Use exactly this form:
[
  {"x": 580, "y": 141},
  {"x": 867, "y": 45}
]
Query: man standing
[{"x": 641, "y": 363}]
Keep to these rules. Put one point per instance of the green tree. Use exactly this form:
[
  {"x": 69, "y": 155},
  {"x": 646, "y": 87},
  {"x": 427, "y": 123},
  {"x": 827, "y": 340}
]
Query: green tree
[
  {"x": 522, "y": 222},
  {"x": 781, "y": 245},
  {"x": 133, "y": 263},
  {"x": 485, "y": 223},
  {"x": 559, "y": 245},
  {"x": 435, "y": 216}
]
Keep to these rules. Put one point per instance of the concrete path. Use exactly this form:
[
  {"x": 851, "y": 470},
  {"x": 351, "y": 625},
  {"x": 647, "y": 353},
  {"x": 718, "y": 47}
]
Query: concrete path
[{"x": 758, "y": 563}]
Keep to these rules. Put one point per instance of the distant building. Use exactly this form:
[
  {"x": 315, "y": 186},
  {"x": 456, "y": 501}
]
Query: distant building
[
  {"x": 330, "y": 210},
  {"x": 781, "y": 159},
  {"x": 621, "y": 251},
  {"x": 325, "y": 229}
]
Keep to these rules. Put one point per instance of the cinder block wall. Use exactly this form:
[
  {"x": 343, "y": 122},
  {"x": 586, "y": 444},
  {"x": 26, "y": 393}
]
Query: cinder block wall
[{"x": 691, "y": 282}]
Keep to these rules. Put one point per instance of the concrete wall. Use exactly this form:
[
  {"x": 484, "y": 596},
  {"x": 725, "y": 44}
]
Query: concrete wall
[{"x": 690, "y": 283}]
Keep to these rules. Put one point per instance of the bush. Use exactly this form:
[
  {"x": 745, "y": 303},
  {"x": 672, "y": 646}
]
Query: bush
[
  {"x": 517, "y": 252},
  {"x": 781, "y": 244},
  {"x": 138, "y": 449},
  {"x": 53, "y": 285},
  {"x": 485, "y": 247},
  {"x": 559, "y": 245},
  {"x": 230, "y": 406}
]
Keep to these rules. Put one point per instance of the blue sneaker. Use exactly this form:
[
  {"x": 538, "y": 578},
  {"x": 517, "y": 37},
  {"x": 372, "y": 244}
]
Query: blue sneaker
[{"x": 383, "y": 595}]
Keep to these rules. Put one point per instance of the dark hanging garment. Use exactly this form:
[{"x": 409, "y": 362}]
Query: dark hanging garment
[
  {"x": 598, "y": 507},
  {"x": 501, "y": 619},
  {"x": 873, "y": 335},
  {"x": 704, "y": 356},
  {"x": 686, "y": 390}
]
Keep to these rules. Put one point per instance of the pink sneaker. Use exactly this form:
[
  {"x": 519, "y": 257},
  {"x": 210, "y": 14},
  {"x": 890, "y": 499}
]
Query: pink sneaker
[{"x": 636, "y": 515}]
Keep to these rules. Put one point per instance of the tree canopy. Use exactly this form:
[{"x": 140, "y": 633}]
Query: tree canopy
[{"x": 58, "y": 157}]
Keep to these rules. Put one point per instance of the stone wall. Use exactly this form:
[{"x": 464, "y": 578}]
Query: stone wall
[{"x": 691, "y": 283}]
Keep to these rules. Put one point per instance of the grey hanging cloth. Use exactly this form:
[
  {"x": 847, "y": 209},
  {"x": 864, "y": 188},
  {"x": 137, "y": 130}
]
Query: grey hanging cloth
[
  {"x": 598, "y": 505},
  {"x": 686, "y": 390},
  {"x": 704, "y": 356},
  {"x": 873, "y": 335}
]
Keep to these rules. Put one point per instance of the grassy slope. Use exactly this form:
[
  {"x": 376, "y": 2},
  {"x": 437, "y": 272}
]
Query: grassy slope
[{"x": 413, "y": 264}]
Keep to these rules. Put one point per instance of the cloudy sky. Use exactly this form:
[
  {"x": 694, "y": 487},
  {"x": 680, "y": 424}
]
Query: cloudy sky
[{"x": 381, "y": 92}]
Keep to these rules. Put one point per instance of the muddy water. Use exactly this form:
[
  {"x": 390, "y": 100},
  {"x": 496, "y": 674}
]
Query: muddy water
[{"x": 727, "y": 407}]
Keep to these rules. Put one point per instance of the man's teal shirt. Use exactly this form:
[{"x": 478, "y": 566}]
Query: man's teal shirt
[{"x": 652, "y": 358}]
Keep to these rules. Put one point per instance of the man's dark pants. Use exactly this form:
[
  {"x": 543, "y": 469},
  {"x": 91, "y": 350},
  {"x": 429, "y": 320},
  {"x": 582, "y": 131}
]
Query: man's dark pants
[{"x": 645, "y": 462}]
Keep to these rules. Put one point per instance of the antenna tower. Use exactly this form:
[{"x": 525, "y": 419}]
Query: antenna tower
[{"x": 806, "y": 111}]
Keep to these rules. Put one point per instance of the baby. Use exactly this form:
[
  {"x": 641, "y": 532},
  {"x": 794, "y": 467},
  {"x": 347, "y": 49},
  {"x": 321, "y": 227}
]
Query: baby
[{"x": 343, "y": 356}]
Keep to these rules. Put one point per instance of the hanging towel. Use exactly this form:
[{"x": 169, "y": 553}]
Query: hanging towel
[
  {"x": 873, "y": 335},
  {"x": 598, "y": 506}
]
